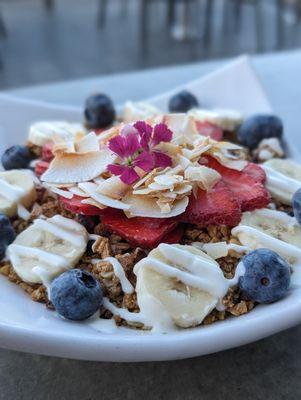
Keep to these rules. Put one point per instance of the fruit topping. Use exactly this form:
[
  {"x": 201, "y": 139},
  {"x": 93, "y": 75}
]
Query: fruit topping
[
  {"x": 267, "y": 276},
  {"x": 76, "y": 295},
  {"x": 76, "y": 206},
  {"x": 297, "y": 205},
  {"x": 182, "y": 102},
  {"x": 47, "y": 154},
  {"x": 259, "y": 127},
  {"x": 16, "y": 157},
  {"x": 99, "y": 111},
  {"x": 218, "y": 206},
  {"x": 208, "y": 129},
  {"x": 7, "y": 234},
  {"x": 41, "y": 167},
  {"x": 144, "y": 232}
]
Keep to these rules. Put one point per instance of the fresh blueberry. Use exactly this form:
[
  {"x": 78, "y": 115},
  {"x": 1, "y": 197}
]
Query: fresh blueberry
[
  {"x": 7, "y": 234},
  {"x": 182, "y": 102},
  {"x": 99, "y": 111},
  {"x": 16, "y": 157},
  {"x": 267, "y": 276},
  {"x": 259, "y": 127},
  {"x": 297, "y": 205},
  {"x": 76, "y": 294}
]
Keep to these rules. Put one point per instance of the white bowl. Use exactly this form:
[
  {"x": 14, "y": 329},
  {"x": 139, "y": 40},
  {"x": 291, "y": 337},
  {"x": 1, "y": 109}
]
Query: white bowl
[{"x": 30, "y": 327}]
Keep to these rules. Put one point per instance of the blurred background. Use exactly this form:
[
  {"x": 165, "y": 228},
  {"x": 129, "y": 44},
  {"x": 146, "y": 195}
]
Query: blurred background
[{"x": 49, "y": 40}]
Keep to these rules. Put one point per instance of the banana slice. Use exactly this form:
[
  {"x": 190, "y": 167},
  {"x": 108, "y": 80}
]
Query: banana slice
[
  {"x": 53, "y": 246},
  {"x": 16, "y": 188},
  {"x": 271, "y": 229},
  {"x": 178, "y": 282},
  {"x": 42, "y": 132},
  {"x": 227, "y": 120},
  {"x": 283, "y": 178}
]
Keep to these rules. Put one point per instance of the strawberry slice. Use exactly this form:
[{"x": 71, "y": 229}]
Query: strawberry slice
[
  {"x": 77, "y": 207},
  {"x": 207, "y": 129},
  {"x": 47, "y": 154},
  {"x": 174, "y": 236},
  {"x": 218, "y": 206},
  {"x": 256, "y": 172},
  {"x": 144, "y": 232},
  {"x": 245, "y": 185},
  {"x": 41, "y": 167}
]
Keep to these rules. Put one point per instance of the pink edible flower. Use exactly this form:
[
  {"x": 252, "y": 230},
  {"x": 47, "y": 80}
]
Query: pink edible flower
[{"x": 136, "y": 147}]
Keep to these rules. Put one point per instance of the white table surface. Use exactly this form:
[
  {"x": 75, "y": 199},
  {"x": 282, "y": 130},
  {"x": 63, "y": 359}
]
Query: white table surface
[{"x": 280, "y": 74}]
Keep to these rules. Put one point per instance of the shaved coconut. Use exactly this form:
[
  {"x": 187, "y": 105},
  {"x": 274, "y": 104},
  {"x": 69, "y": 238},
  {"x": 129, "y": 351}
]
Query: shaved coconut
[
  {"x": 139, "y": 111},
  {"x": 184, "y": 162},
  {"x": 78, "y": 192},
  {"x": 94, "y": 203},
  {"x": 183, "y": 128},
  {"x": 148, "y": 207},
  {"x": 113, "y": 187},
  {"x": 205, "y": 177},
  {"x": 77, "y": 167},
  {"x": 87, "y": 143},
  {"x": 60, "y": 185},
  {"x": 109, "y": 133},
  {"x": 90, "y": 188},
  {"x": 60, "y": 192},
  {"x": 228, "y": 154},
  {"x": 227, "y": 120}
]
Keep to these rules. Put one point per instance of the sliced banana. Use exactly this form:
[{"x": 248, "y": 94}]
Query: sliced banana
[
  {"x": 53, "y": 246},
  {"x": 139, "y": 111},
  {"x": 43, "y": 132},
  {"x": 227, "y": 120},
  {"x": 271, "y": 229},
  {"x": 16, "y": 189},
  {"x": 283, "y": 178},
  {"x": 180, "y": 282}
]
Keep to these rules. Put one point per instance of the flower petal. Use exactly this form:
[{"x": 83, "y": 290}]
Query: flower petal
[
  {"x": 117, "y": 145},
  {"x": 127, "y": 129},
  {"x": 129, "y": 176},
  {"x": 116, "y": 169},
  {"x": 161, "y": 134},
  {"x": 145, "y": 161},
  {"x": 132, "y": 144},
  {"x": 145, "y": 132},
  {"x": 162, "y": 160}
]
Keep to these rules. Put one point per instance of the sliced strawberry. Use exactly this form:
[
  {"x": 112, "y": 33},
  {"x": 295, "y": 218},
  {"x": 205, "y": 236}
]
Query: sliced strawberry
[
  {"x": 250, "y": 192},
  {"x": 218, "y": 206},
  {"x": 47, "y": 154},
  {"x": 256, "y": 171},
  {"x": 77, "y": 207},
  {"x": 207, "y": 129},
  {"x": 174, "y": 236},
  {"x": 41, "y": 167},
  {"x": 144, "y": 232}
]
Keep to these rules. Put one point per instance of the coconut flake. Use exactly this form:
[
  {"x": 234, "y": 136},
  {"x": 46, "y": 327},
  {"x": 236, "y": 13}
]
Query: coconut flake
[
  {"x": 147, "y": 207},
  {"x": 87, "y": 143},
  {"x": 90, "y": 188},
  {"x": 113, "y": 187},
  {"x": 64, "y": 193},
  {"x": 205, "y": 177},
  {"x": 94, "y": 203},
  {"x": 139, "y": 111},
  {"x": 78, "y": 167}
]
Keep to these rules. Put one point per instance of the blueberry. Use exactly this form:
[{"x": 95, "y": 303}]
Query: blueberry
[
  {"x": 259, "y": 127},
  {"x": 76, "y": 294},
  {"x": 267, "y": 276},
  {"x": 7, "y": 234},
  {"x": 182, "y": 102},
  {"x": 99, "y": 111},
  {"x": 297, "y": 205},
  {"x": 16, "y": 157}
]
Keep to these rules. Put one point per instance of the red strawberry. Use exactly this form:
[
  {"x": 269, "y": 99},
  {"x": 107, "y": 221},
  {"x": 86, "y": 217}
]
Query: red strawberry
[
  {"x": 174, "y": 236},
  {"x": 207, "y": 129},
  {"x": 41, "y": 167},
  {"x": 144, "y": 232},
  {"x": 218, "y": 206},
  {"x": 77, "y": 207},
  {"x": 249, "y": 191},
  {"x": 256, "y": 172},
  {"x": 47, "y": 154}
]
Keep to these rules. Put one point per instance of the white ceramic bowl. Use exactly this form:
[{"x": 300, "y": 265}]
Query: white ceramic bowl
[{"x": 29, "y": 326}]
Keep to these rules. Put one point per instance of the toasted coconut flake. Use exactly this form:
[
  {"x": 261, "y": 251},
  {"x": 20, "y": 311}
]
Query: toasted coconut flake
[
  {"x": 78, "y": 192},
  {"x": 87, "y": 143},
  {"x": 94, "y": 203},
  {"x": 205, "y": 177},
  {"x": 113, "y": 187},
  {"x": 77, "y": 167},
  {"x": 183, "y": 128},
  {"x": 148, "y": 207},
  {"x": 60, "y": 192},
  {"x": 139, "y": 111},
  {"x": 90, "y": 188}
]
